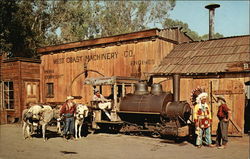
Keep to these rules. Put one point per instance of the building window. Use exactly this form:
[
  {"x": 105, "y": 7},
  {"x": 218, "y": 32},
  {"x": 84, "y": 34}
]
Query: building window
[
  {"x": 8, "y": 95},
  {"x": 50, "y": 90},
  {"x": 248, "y": 91},
  {"x": 31, "y": 89},
  {"x": 1, "y": 96}
]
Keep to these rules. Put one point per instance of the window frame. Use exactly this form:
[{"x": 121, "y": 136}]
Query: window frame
[
  {"x": 9, "y": 106},
  {"x": 50, "y": 90},
  {"x": 31, "y": 89}
]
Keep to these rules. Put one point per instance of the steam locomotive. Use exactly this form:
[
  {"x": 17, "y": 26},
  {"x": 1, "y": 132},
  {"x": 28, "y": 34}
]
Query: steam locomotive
[{"x": 156, "y": 112}]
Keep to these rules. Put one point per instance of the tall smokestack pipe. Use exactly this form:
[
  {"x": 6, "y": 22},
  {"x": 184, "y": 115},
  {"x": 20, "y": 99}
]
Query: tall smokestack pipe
[
  {"x": 211, "y": 8},
  {"x": 176, "y": 87}
]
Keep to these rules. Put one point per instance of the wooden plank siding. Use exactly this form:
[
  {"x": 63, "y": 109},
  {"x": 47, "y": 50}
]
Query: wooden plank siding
[
  {"x": 231, "y": 86},
  {"x": 130, "y": 58},
  {"x": 172, "y": 35},
  {"x": 18, "y": 71}
]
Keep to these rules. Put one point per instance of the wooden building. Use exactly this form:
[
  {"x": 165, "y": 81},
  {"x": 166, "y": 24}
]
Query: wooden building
[
  {"x": 221, "y": 67},
  {"x": 64, "y": 67},
  {"x": 20, "y": 80}
]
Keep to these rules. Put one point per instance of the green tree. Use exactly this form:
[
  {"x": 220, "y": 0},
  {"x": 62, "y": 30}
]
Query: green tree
[
  {"x": 169, "y": 23},
  {"x": 78, "y": 20},
  {"x": 29, "y": 24},
  {"x": 24, "y": 26},
  {"x": 215, "y": 36},
  {"x": 129, "y": 16},
  {"x": 7, "y": 24}
]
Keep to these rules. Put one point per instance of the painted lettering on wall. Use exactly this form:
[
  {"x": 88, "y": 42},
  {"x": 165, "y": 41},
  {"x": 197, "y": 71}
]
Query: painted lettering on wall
[
  {"x": 48, "y": 71},
  {"x": 53, "y": 76},
  {"x": 128, "y": 53},
  {"x": 58, "y": 61},
  {"x": 74, "y": 59},
  {"x": 49, "y": 74},
  {"x": 142, "y": 62},
  {"x": 105, "y": 56},
  {"x": 92, "y": 57}
]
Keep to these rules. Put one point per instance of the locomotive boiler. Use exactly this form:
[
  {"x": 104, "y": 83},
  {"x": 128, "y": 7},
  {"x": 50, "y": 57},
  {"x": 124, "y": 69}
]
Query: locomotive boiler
[{"x": 154, "y": 111}]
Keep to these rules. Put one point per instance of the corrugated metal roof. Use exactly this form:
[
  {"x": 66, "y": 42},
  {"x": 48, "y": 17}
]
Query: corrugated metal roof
[{"x": 211, "y": 56}]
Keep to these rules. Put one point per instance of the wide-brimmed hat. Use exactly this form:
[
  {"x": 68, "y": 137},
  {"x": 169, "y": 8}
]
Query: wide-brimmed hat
[
  {"x": 69, "y": 98},
  {"x": 221, "y": 98}
]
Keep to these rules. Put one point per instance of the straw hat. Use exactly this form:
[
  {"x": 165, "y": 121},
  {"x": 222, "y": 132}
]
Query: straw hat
[
  {"x": 69, "y": 98},
  {"x": 221, "y": 98}
]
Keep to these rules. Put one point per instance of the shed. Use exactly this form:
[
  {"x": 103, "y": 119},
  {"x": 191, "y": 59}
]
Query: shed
[
  {"x": 221, "y": 67},
  {"x": 64, "y": 67},
  {"x": 19, "y": 85}
]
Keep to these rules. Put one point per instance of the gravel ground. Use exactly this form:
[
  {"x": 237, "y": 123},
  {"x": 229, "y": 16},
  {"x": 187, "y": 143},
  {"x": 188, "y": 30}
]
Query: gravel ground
[{"x": 110, "y": 146}]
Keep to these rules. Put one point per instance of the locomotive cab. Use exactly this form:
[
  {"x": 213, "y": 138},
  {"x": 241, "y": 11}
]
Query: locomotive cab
[{"x": 119, "y": 86}]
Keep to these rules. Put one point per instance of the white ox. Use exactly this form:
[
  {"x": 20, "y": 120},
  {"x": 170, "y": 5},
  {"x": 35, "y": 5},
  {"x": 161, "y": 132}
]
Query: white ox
[
  {"x": 81, "y": 113},
  {"x": 36, "y": 116}
]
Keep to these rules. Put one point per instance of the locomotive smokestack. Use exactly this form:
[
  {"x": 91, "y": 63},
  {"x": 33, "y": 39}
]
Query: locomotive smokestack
[
  {"x": 211, "y": 8},
  {"x": 176, "y": 87}
]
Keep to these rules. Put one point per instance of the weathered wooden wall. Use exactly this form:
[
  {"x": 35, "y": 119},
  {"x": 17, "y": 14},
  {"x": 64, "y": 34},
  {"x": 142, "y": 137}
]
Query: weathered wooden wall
[
  {"x": 231, "y": 86},
  {"x": 130, "y": 58},
  {"x": 18, "y": 71}
]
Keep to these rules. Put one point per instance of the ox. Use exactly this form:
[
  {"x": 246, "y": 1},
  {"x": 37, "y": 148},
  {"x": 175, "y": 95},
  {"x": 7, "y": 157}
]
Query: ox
[
  {"x": 81, "y": 113},
  {"x": 36, "y": 116},
  {"x": 30, "y": 119}
]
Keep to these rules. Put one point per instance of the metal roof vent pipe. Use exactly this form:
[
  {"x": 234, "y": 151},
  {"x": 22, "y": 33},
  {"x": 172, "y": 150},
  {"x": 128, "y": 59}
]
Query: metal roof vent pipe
[
  {"x": 176, "y": 87},
  {"x": 211, "y": 8}
]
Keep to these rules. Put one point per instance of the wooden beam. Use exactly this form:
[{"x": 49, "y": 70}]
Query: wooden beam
[{"x": 98, "y": 41}]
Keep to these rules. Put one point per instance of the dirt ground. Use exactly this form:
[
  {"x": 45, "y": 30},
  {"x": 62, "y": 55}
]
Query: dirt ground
[{"x": 110, "y": 146}]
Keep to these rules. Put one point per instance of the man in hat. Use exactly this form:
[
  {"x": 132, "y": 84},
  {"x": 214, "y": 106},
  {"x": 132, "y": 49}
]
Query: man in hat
[
  {"x": 103, "y": 103},
  {"x": 203, "y": 120},
  {"x": 68, "y": 111},
  {"x": 223, "y": 115}
]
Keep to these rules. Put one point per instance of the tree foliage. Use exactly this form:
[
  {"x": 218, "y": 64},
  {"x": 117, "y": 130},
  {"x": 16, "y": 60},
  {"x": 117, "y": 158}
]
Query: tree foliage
[
  {"x": 215, "y": 36},
  {"x": 29, "y": 24},
  {"x": 23, "y": 27},
  {"x": 169, "y": 23},
  {"x": 90, "y": 19}
]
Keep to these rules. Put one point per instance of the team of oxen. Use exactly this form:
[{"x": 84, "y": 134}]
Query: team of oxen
[{"x": 39, "y": 116}]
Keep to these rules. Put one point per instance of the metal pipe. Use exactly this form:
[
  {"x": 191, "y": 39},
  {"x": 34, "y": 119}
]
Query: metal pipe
[
  {"x": 176, "y": 87},
  {"x": 211, "y": 8}
]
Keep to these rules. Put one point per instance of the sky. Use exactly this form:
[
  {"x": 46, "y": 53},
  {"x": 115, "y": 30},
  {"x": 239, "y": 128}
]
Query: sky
[{"x": 231, "y": 19}]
